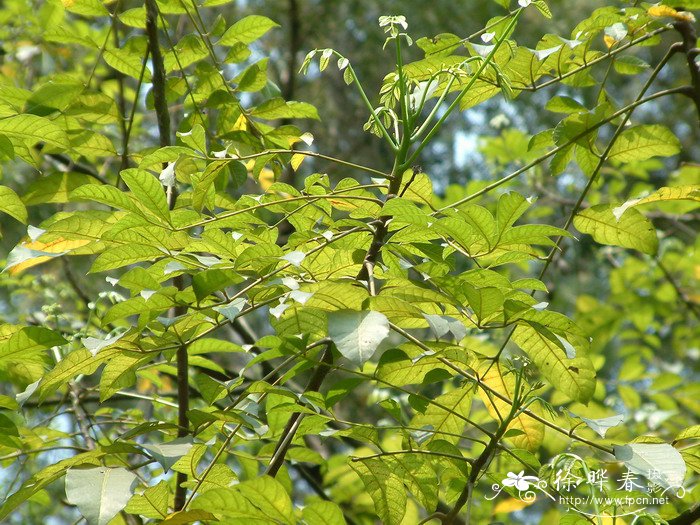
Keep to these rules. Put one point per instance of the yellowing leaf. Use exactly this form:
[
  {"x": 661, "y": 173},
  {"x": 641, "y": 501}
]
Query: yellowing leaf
[
  {"x": 57, "y": 247},
  {"x": 296, "y": 161},
  {"x": 609, "y": 41},
  {"x": 266, "y": 178},
  {"x": 533, "y": 430},
  {"x": 241, "y": 123},
  {"x": 665, "y": 10},
  {"x": 509, "y": 505}
]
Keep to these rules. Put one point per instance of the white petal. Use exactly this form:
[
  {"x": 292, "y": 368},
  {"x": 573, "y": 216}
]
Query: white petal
[{"x": 167, "y": 176}]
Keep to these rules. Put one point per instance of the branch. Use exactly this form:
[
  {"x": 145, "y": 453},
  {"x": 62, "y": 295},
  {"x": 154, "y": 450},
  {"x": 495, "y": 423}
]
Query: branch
[
  {"x": 687, "y": 31},
  {"x": 679, "y": 291},
  {"x": 293, "y": 424},
  {"x": 163, "y": 117},
  {"x": 689, "y": 517}
]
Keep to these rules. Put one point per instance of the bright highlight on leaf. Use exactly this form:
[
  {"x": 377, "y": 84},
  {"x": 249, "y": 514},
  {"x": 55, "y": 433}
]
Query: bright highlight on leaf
[
  {"x": 632, "y": 230},
  {"x": 357, "y": 335},
  {"x": 662, "y": 459},
  {"x": 99, "y": 493},
  {"x": 11, "y": 204}
]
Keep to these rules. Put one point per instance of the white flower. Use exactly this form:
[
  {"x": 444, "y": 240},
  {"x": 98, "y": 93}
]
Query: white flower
[
  {"x": 167, "y": 176},
  {"x": 423, "y": 91},
  {"x": 220, "y": 154},
  {"x": 307, "y": 138},
  {"x": 499, "y": 121},
  {"x": 487, "y": 37},
  {"x": 519, "y": 480},
  {"x": 391, "y": 20},
  {"x": 294, "y": 258},
  {"x": 24, "y": 53},
  {"x": 524, "y": 3},
  {"x": 278, "y": 310}
]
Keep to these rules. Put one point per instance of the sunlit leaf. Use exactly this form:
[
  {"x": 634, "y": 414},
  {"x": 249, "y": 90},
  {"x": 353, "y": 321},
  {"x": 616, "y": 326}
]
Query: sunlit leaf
[
  {"x": 632, "y": 230},
  {"x": 99, "y": 493}
]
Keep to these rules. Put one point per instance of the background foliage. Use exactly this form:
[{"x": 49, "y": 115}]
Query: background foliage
[{"x": 474, "y": 255}]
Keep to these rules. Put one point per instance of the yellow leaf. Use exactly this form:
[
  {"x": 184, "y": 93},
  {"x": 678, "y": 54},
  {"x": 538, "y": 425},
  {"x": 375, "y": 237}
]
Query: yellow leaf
[
  {"x": 241, "y": 123},
  {"x": 296, "y": 161},
  {"x": 533, "y": 430},
  {"x": 665, "y": 10},
  {"x": 266, "y": 178},
  {"x": 59, "y": 245},
  {"x": 68, "y": 3},
  {"x": 609, "y": 41},
  {"x": 511, "y": 505}
]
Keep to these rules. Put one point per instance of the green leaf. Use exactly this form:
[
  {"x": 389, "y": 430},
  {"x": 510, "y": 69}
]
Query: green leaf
[
  {"x": 90, "y": 8},
  {"x": 33, "y": 129},
  {"x": 55, "y": 187},
  {"x": 135, "y": 17},
  {"x": 446, "y": 415},
  {"x": 27, "y": 342},
  {"x": 574, "y": 377},
  {"x": 692, "y": 432},
  {"x": 149, "y": 192},
  {"x": 485, "y": 301},
  {"x": 662, "y": 459},
  {"x": 405, "y": 211},
  {"x": 510, "y": 208},
  {"x": 270, "y": 497},
  {"x": 253, "y": 78},
  {"x": 278, "y": 108},
  {"x": 123, "y": 256},
  {"x": 564, "y": 104},
  {"x": 152, "y": 503},
  {"x": 164, "y": 154},
  {"x": 385, "y": 488},
  {"x": 127, "y": 62},
  {"x": 322, "y": 513},
  {"x": 630, "y": 65},
  {"x": 688, "y": 4},
  {"x": 644, "y": 142},
  {"x": 52, "y": 96},
  {"x": 11, "y": 204},
  {"x": 401, "y": 366},
  {"x": 99, "y": 493},
  {"x": 247, "y": 30},
  {"x": 357, "y": 334},
  {"x": 120, "y": 373},
  {"x": 632, "y": 230}
]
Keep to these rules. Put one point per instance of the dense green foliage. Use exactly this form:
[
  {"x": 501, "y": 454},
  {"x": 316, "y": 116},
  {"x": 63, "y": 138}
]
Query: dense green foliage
[{"x": 207, "y": 317}]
